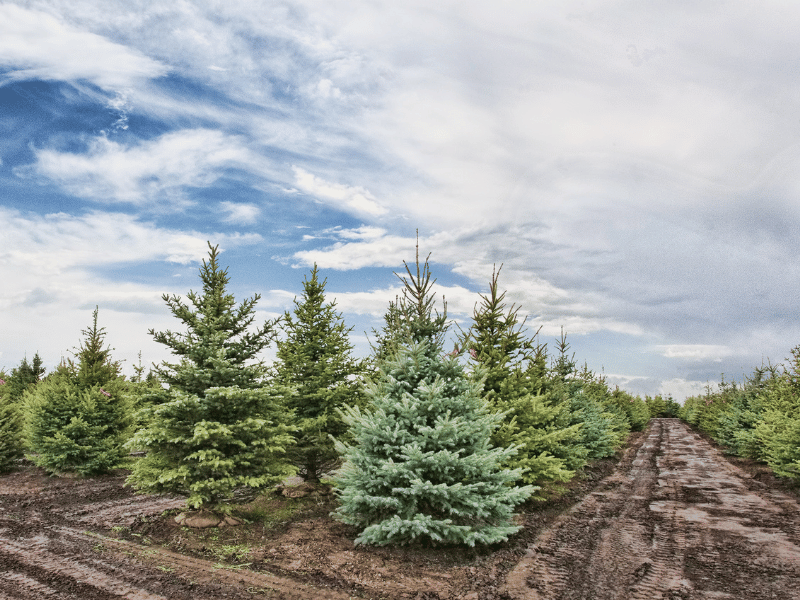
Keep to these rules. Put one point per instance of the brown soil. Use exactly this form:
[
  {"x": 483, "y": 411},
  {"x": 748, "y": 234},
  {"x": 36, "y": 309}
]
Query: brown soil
[
  {"x": 678, "y": 521},
  {"x": 669, "y": 518}
]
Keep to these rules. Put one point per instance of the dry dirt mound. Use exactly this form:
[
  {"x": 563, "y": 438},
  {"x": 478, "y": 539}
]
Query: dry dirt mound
[{"x": 678, "y": 522}]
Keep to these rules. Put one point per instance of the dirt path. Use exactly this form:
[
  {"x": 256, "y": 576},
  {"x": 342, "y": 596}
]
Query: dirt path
[
  {"x": 678, "y": 521},
  {"x": 48, "y": 549}
]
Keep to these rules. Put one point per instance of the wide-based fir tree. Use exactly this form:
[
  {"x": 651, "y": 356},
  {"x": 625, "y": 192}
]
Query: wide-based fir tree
[
  {"x": 218, "y": 427},
  {"x": 77, "y": 418},
  {"x": 511, "y": 365},
  {"x": 315, "y": 360},
  {"x": 421, "y": 467}
]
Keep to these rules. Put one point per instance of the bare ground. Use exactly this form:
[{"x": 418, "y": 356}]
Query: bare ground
[
  {"x": 668, "y": 518},
  {"x": 680, "y": 522}
]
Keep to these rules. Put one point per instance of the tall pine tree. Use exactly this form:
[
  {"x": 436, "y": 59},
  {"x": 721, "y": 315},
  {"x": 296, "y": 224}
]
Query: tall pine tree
[
  {"x": 422, "y": 466},
  {"x": 511, "y": 363},
  {"x": 315, "y": 360},
  {"x": 218, "y": 427}
]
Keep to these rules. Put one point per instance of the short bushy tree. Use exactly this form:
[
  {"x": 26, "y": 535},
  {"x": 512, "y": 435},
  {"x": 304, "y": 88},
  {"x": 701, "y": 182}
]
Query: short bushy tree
[
  {"x": 77, "y": 418},
  {"x": 422, "y": 466},
  {"x": 218, "y": 427},
  {"x": 315, "y": 360}
]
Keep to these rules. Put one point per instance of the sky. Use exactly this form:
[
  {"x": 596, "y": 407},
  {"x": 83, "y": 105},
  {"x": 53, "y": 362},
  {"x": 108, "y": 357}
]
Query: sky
[{"x": 633, "y": 166}]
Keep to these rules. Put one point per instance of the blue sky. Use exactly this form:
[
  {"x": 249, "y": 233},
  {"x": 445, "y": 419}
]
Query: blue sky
[{"x": 634, "y": 167}]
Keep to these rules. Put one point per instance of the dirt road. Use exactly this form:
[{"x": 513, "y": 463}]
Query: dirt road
[
  {"x": 677, "y": 521},
  {"x": 674, "y": 520}
]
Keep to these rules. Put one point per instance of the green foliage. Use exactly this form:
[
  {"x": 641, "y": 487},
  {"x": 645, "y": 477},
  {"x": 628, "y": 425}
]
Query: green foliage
[
  {"x": 422, "y": 466},
  {"x": 659, "y": 406},
  {"x": 634, "y": 408},
  {"x": 22, "y": 377},
  {"x": 95, "y": 366},
  {"x": 77, "y": 429},
  {"x": 10, "y": 426},
  {"x": 604, "y": 425},
  {"x": 759, "y": 419},
  {"x": 315, "y": 361},
  {"x": 77, "y": 418},
  {"x": 511, "y": 364},
  {"x": 218, "y": 427}
]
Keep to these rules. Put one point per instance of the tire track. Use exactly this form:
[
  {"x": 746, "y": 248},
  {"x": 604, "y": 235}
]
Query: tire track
[
  {"x": 207, "y": 570},
  {"x": 675, "y": 521},
  {"x": 47, "y": 566}
]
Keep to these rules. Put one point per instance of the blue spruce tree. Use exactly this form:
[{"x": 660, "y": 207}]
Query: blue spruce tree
[{"x": 422, "y": 467}]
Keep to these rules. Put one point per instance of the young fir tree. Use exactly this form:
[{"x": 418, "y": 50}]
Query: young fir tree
[
  {"x": 422, "y": 466},
  {"x": 10, "y": 426},
  {"x": 23, "y": 377},
  {"x": 219, "y": 427},
  {"x": 510, "y": 360},
  {"x": 77, "y": 418},
  {"x": 599, "y": 436},
  {"x": 316, "y": 361}
]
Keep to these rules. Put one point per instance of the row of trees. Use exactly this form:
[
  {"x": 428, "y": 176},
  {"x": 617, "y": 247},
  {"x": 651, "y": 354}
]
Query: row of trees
[
  {"x": 429, "y": 444},
  {"x": 758, "y": 418}
]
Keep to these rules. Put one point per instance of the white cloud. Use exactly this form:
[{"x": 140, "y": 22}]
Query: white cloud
[
  {"x": 346, "y": 198},
  {"x": 239, "y": 212},
  {"x": 49, "y": 266},
  {"x": 695, "y": 352},
  {"x": 158, "y": 169},
  {"x": 37, "y": 45},
  {"x": 468, "y": 252},
  {"x": 680, "y": 389}
]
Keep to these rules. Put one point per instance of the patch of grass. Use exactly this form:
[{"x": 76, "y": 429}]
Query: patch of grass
[
  {"x": 272, "y": 512},
  {"x": 231, "y": 552}
]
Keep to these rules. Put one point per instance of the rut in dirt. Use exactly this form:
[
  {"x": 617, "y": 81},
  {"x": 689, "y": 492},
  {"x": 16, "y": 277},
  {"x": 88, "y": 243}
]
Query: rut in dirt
[
  {"x": 49, "y": 551},
  {"x": 676, "y": 522}
]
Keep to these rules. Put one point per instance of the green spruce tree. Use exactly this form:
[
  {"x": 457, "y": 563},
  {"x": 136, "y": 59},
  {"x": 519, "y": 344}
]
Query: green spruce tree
[
  {"x": 10, "y": 426},
  {"x": 422, "y": 466},
  {"x": 77, "y": 418},
  {"x": 512, "y": 364},
  {"x": 315, "y": 360},
  {"x": 218, "y": 427},
  {"x": 23, "y": 377}
]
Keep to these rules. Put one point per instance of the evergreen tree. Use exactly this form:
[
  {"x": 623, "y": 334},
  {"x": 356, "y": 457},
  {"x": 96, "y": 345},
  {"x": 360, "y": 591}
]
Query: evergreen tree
[
  {"x": 316, "y": 361},
  {"x": 218, "y": 427},
  {"x": 512, "y": 364},
  {"x": 583, "y": 396},
  {"x": 77, "y": 418},
  {"x": 10, "y": 426},
  {"x": 23, "y": 377},
  {"x": 95, "y": 366},
  {"x": 422, "y": 466},
  {"x": 388, "y": 338}
]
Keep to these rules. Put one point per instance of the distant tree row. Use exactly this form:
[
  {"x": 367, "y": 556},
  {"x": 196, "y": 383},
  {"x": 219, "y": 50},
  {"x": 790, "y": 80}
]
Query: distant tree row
[
  {"x": 421, "y": 443},
  {"x": 758, "y": 418}
]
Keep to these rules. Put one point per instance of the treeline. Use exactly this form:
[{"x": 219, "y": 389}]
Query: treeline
[
  {"x": 758, "y": 418},
  {"x": 421, "y": 442}
]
